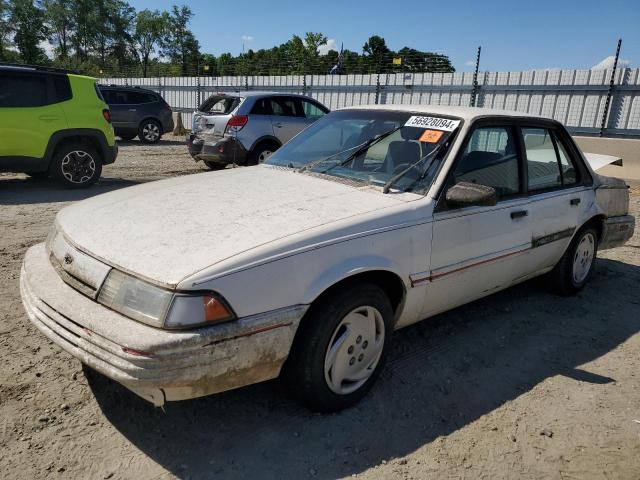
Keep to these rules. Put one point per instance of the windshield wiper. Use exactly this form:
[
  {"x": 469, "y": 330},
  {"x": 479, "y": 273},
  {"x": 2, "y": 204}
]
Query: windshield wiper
[
  {"x": 359, "y": 149},
  {"x": 395, "y": 178}
]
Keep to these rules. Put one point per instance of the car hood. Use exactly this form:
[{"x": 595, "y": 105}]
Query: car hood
[{"x": 168, "y": 230}]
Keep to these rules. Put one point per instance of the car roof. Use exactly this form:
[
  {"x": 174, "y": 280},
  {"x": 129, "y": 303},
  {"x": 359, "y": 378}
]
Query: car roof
[
  {"x": 126, "y": 87},
  {"x": 465, "y": 113},
  {"x": 260, "y": 93}
]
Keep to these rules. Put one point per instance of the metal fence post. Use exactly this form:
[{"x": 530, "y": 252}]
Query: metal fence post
[
  {"x": 474, "y": 91},
  {"x": 198, "y": 89},
  {"x": 607, "y": 103},
  {"x": 377, "y": 87}
]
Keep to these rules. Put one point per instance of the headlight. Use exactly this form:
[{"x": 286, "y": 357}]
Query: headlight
[{"x": 158, "y": 307}]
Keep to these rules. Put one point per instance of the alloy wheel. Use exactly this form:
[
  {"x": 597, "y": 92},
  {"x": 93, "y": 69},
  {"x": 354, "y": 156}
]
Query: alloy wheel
[
  {"x": 78, "y": 166},
  {"x": 151, "y": 132}
]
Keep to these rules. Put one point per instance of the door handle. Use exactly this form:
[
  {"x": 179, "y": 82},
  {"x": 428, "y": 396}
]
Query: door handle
[
  {"x": 574, "y": 201},
  {"x": 279, "y": 125},
  {"x": 133, "y": 110},
  {"x": 48, "y": 118},
  {"x": 519, "y": 213}
]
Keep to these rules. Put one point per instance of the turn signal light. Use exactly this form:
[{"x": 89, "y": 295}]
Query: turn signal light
[{"x": 214, "y": 310}]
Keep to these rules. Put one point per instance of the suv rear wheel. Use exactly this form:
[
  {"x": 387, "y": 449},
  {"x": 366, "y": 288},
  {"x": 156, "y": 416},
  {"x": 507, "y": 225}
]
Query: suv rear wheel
[
  {"x": 261, "y": 153},
  {"x": 76, "y": 165},
  {"x": 149, "y": 131}
]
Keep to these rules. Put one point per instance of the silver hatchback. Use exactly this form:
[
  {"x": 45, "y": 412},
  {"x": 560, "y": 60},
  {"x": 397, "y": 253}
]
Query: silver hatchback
[{"x": 246, "y": 127}]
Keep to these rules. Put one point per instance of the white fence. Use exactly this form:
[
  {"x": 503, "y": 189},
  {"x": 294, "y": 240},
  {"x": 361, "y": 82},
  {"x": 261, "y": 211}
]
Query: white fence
[{"x": 577, "y": 98}]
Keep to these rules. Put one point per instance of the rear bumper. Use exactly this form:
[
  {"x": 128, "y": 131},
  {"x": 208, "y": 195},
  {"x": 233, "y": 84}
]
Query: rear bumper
[
  {"x": 111, "y": 153},
  {"x": 156, "y": 364},
  {"x": 221, "y": 150},
  {"x": 617, "y": 231},
  {"x": 194, "y": 144}
]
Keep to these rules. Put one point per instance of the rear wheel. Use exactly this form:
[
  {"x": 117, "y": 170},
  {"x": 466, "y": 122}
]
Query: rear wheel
[
  {"x": 576, "y": 266},
  {"x": 261, "y": 153},
  {"x": 150, "y": 131},
  {"x": 340, "y": 348},
  {"x": 76, "y": 165}
]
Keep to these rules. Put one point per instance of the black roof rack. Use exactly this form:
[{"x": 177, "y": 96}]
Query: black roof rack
[{"x": 40, "y": 68}]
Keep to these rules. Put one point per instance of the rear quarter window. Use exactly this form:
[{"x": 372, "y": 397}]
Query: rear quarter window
[{"x": 62, "y": 88}]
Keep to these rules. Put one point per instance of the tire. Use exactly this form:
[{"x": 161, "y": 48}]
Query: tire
[
  {"x": 576, "y": 266},
  {"x": 76, "y": 165},
  {"x": 150, "y": 131},
  {"x": 127, "y": 138},
  {"x": 261, "y": 153},
  {"x": 340, "y": 348},
  {"x": 214, "y": 165}
]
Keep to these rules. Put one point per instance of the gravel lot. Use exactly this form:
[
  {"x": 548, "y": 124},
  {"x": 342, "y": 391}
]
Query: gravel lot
[{"x": 523, "y": 384}]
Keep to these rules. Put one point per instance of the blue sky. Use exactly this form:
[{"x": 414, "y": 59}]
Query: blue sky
[{"x": 515, "y": 35}]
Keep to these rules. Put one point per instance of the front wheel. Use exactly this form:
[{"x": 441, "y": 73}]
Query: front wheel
[
  {"x": 76, "y": 165},
  {"x": 576, "y": 266},
  {"x": 340, "y": 348}
]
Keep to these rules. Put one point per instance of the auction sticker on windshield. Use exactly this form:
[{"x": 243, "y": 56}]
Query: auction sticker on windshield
[{"x": 438, "y": 123}]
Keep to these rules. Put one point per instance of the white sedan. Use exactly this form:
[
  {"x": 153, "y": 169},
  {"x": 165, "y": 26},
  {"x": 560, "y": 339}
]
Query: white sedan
[{"x": 370, "y": 220}]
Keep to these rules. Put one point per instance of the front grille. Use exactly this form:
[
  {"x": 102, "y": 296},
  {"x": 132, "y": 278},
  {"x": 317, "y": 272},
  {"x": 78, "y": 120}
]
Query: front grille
[{"x": 72, "y": 281}]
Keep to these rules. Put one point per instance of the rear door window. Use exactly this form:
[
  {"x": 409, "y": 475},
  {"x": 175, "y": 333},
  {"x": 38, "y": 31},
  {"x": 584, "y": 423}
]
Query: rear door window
[
  {"x": 548, "y": 164},
  {"x": 542, "y": 162},
  {"x": 116, "y": 97},
  {"x": 140, "y": 97},
  {"x": 22, "y": 91},
  {"x": 262, "y": 107},
  {"x": 286, "y": 107}
]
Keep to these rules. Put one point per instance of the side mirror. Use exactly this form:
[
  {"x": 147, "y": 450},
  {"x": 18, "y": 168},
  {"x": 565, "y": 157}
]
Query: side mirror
[{"x": 466, "y": 194}]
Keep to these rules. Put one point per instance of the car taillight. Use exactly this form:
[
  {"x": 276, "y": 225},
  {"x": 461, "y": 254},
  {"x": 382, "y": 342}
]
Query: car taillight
[
  {"x": 236, "y": 122},
  {"x": 107, "y": 115}
]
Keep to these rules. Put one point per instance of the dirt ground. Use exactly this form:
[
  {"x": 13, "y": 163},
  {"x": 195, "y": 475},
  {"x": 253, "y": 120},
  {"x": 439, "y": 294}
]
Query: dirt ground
[{"x": 522, "y": 384}]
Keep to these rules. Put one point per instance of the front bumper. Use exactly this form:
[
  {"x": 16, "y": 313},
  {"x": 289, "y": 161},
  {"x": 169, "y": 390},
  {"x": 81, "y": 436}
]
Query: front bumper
[
  {"x": 156, "y": 364},
  {"x": 616, "y": 231}
]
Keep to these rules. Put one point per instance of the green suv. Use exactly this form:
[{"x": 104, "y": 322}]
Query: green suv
[{"x": 54, "y": 123}]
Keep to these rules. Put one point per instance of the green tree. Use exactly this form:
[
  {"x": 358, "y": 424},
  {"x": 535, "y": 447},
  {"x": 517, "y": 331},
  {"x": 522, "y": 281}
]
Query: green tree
[
  {"x": 112, "y": 22},
  {"x": 59, "y": 17},
  {"x": 180, "y": 45},
  {"x": 28, "y": 21},
  {"x": 376, "y": 47},
  {"x": 6, "y": 29},
  {"x": 151, "y": 28}
]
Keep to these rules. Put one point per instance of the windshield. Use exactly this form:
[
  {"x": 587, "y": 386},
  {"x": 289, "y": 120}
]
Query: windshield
[{"x": 372, "y": 146}]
